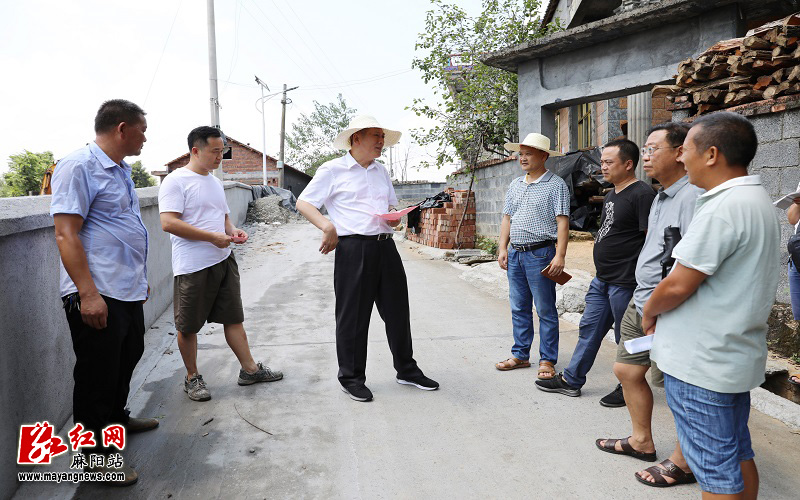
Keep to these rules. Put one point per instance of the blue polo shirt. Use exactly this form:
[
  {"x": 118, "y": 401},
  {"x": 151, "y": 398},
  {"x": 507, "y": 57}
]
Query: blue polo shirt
[{"x": 88, "y": 183}]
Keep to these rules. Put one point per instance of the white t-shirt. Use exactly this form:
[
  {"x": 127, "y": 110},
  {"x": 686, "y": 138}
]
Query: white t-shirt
[{"x": 200, "y": 199}]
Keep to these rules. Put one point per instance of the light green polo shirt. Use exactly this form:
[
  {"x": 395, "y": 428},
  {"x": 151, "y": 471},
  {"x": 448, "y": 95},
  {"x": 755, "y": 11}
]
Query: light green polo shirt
[{"x": 716, "y": 339}]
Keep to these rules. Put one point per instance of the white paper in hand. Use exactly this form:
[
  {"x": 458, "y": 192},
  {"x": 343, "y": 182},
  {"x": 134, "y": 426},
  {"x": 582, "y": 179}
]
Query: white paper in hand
[
  {"x": 641, "y": 344},
  {"x": 787, "y": 200}
]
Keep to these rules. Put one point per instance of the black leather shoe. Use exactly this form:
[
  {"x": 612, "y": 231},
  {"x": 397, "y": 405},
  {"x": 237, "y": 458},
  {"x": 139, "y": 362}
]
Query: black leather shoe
[
  {"x": 358, "y": 393},
  {"x": 420, "y": 382},
  {"x": 614, "y": 399}
]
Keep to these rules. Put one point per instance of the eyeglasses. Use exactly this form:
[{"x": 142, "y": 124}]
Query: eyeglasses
[{"x": 648, "y": 151}]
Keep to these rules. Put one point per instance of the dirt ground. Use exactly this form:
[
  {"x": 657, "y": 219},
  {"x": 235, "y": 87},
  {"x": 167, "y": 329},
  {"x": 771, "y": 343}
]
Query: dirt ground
[{"x": 580, "y": 256}]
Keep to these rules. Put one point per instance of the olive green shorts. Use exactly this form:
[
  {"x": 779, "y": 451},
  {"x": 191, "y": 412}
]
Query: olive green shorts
[
  {"x": 212, "y": 294},
  {"x": 631, "y": 328}
]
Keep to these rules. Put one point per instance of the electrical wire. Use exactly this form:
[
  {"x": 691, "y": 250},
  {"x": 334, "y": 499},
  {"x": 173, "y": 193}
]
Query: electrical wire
[
  {"x": 278, "y": 31},
  {"x": 163, "y": 49}
]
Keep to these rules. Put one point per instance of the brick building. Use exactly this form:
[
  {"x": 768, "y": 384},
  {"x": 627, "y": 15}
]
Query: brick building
[{"x": 244, "y": 164}]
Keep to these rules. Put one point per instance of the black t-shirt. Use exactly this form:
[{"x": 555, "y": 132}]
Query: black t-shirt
[{"x": 623, "y": 225}]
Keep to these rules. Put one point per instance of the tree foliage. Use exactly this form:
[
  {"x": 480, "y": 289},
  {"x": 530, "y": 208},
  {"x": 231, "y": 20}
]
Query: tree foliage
[
  {"x": 310, "y": 141},
  {"x": 477, "y": 108},
  {"x": 25, "y": 174},
  {"x": 141, "y": 177}
]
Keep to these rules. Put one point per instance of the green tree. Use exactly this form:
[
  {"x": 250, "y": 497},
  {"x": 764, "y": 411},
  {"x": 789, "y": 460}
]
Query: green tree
[
  {"x": 141, "y": 177},
  {"x": 476, "y": 106},
  {"x": 310, "y": 142},
  {"x": 25, "y": 173}
]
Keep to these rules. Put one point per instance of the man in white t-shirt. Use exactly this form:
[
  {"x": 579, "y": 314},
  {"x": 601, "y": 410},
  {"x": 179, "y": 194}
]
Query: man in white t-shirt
[{"x": 195, "y": 213}]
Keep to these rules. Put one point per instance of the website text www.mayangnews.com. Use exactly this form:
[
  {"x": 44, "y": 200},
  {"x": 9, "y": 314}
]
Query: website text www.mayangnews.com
[{"x": 66, "y": 477}]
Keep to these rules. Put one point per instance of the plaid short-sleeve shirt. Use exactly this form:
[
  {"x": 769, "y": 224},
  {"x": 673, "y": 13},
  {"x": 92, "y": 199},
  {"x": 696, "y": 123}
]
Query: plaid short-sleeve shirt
[{"x": 534, "y": 206}]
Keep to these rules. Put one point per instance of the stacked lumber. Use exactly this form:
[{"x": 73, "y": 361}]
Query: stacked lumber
[
  {"x": 765, "y": 64},
  {"x": 438, "y": 227}
]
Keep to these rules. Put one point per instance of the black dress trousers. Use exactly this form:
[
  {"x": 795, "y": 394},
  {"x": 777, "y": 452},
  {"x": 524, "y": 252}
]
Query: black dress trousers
[
  {"x": 104, "y": 364},
  {"x": 370, "y": 272}
]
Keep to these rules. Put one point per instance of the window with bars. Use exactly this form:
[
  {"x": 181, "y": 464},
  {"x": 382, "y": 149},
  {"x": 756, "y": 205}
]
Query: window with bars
[{"x": 585, "y": 139}]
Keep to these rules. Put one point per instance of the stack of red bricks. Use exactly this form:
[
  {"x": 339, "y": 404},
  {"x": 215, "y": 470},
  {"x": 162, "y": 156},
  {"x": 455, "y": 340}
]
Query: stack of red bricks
[{"x": 438, "y": 226}]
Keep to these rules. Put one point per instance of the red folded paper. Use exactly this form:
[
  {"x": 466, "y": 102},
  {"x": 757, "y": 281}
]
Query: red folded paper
[{"x": 396, "y": 215}]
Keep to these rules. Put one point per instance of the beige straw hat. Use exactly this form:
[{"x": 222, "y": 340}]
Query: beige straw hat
[
  {"x": 361, "y": 122},
  {"x": 534, "y": 140}
]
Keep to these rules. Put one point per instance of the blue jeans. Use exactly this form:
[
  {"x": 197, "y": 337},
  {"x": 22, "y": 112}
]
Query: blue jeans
[
  {"x": 526, "y": 287},
  {"x": 605, "y": 306},
  {"x": 794, "y": 290},
  {"x": 712, "y": 430}
]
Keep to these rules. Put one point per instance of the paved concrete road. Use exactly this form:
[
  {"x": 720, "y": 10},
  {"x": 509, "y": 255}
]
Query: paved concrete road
[{"x": 484, "y": 434}]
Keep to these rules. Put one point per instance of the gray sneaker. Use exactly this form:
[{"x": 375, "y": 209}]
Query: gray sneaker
[
  {"x": 196, "y": 388},
  {"x": 263, "y": 374}
]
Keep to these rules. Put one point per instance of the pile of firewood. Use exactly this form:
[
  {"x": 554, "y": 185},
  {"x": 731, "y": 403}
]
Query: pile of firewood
[{"x": 763, "y": 65}]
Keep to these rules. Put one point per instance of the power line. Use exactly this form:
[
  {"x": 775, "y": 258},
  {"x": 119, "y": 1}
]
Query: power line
[
  {"x": 278, "y": 31},
  {"x": 235, "y": 55},
  {"x": 323, "y": 62},
  {"x": 311, "y": 37},
  {"x": 163, "y": 49},
  {"x": 335, "y": 85}
]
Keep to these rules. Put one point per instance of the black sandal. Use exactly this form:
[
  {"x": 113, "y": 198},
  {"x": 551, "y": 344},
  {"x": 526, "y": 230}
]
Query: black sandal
[
  {"x": 669, "y": 470},
  {"x": 627, "y": 449}
]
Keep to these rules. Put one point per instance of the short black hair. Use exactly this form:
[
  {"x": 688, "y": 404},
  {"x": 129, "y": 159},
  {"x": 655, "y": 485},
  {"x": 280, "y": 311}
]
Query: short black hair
[
  {"x": 114, "y": 112},
  {"x": 676, "y": 132},
  {"x": 628, "y": 150},
  {"x": 731, "y": 133},
  {"x": 201, "y": 135}
]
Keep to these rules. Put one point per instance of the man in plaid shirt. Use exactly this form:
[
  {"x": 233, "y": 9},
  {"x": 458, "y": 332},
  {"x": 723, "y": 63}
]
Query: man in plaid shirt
[{"x": 536, "y": 224}]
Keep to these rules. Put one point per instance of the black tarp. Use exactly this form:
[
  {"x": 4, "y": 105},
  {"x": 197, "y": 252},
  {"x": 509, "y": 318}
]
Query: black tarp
[{"x": 581, "y": 171}]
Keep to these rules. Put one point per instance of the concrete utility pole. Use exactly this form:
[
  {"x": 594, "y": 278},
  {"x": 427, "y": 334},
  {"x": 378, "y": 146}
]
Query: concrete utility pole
[
  {"x": 263, "y": 130},
  {"x": 284, "y": 101},
  {"x": 212, "y": 72}
]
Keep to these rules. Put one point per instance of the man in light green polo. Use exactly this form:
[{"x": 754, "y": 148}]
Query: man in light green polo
[{"x": 710, "y": 314}]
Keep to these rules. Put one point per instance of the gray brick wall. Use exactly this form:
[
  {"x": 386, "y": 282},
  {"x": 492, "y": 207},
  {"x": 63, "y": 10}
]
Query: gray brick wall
[
  {"x": 418, "y": 191},
  {"x": 777, "y": 162},
  {"x": 490, "y": 188}
]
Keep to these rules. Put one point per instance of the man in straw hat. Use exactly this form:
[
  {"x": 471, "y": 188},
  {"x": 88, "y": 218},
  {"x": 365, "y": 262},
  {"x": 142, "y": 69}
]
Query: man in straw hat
[
  {"x": 536, "y": 223},
  {"x": 354, "y": 189}
]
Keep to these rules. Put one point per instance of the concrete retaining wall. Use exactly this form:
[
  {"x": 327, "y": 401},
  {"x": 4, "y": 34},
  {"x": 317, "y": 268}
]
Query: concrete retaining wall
[
  {"x": 418, "y": 191},
  {"x": 491, "y": 184},
  {"x": 777, "y": 162},
  {"x": 36, "y": 360}
]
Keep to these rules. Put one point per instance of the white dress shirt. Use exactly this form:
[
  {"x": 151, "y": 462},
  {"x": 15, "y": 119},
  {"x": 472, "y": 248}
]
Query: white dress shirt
[{"x": 353, "y": 195}]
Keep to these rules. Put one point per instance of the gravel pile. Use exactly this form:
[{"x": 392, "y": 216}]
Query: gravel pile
[{"x": 268, "y": 210}]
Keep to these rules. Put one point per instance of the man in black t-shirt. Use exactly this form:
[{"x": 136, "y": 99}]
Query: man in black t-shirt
[{"x": 623, "y": 226}]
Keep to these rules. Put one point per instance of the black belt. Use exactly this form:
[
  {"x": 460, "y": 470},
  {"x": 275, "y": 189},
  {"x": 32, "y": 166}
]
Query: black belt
[
  {"x": 379, "y": 237},
  {"x": 532, "y": 246}
]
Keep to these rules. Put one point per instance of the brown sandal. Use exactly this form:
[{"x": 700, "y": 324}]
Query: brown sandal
[
  {"x": 794, "y": 376},
  {"x": 512, "y": 364},
  {"x": 610, "y": 446},
  {"x": 667, "y": 469},
  {"x": 546, "y": 370}
]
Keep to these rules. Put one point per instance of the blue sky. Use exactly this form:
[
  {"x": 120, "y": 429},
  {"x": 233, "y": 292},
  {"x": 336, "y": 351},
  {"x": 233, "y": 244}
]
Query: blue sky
[{"x": 61, "y": 59}]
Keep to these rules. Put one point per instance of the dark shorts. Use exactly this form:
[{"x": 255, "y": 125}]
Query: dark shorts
[
  {"x": 212, "y": 294},
  {"x": 631, "y": 328}
]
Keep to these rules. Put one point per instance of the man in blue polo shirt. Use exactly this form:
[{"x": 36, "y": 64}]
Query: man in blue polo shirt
[
  {"x": 103, "y": 246},
  {"x": 710, "y": 313},
  {"x": 536, "y": 224}
]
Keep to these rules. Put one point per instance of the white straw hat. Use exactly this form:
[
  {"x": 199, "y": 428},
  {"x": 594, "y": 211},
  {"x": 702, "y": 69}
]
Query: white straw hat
[
  {"x": 361, "y": 122},
  {"x": 534, "y": 140}
]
